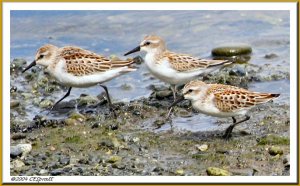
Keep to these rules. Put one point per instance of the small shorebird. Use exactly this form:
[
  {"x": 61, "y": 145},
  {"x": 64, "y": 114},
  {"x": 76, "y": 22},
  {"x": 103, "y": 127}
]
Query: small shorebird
[
  {"x": 75, "y": 67},
  {"x": 175, "y": 69},
  {"x": 223, "y": 101}
]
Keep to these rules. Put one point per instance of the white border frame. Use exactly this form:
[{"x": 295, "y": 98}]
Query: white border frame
[{"x": 292, "y": 7}]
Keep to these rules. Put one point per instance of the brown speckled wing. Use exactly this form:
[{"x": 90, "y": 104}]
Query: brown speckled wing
[
  {"x": 230, "y": 99},
  {"x": 183, "y": 62},
  {"x": 81, "y": 62}
]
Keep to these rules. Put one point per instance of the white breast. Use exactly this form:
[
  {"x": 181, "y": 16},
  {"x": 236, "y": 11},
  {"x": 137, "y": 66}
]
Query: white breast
[
  {"x": 67, "y": 79},
  {"x": 208, "y": 107},
  {"x": 166, "y": 73}
]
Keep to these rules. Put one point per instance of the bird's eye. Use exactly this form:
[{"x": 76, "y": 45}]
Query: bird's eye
[
  {"x": 147, "y": 43},
  {"x": 190, "y": 90},
  {"x": 41, "y": 56}
]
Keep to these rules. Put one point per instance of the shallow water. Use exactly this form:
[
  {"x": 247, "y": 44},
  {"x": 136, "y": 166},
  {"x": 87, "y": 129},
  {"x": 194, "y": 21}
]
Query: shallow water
[{"x": 193, "y": 32}]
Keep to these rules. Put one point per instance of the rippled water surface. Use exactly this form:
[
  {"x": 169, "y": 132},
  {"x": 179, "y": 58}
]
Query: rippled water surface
[{"x": 192, "y": 32}]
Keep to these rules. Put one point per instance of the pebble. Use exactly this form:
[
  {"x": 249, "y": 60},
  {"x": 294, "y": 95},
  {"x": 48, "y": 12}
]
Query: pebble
[
  {"x": 274, "y": 150},
  {"x": 56, "y": 172},
  {"x": 286, "y": 160},
  {"x": 202, "y": 148},
  {"x": 138, "y": 60},
  {"x": 18, "y": 63},
  {"x": 163, "y": 94},
  {"x": 64, "y": 160},
  {"x": 13, "y": 89},
  {"x": 179, "y": 172},
  {"x": 95, "y": 125},
  {"x": 214, "y": 171},
  {"x": 20, "y": 149},
  {"x": 17, "y": 164},
  {"x": 271, "y": 56},
  {"x": 18, "y": 136},
  {"x": 43, "y": 171},
  {"x": 106, "y": 143},
  {"x": 14, "y": 103},
  {"x": 77, "y": 116},
  {"x": 237, "y": 70},
  {"x": 183, "y": 113},
  {"x": 114, "y": 159},
  {"x": 71, "y": 122},
  {"x": 45, "y": 103},
  {"x": 158, "y": 123},
  {"x": 232, "y": 50},
  {"x": 87, "y": 100}
]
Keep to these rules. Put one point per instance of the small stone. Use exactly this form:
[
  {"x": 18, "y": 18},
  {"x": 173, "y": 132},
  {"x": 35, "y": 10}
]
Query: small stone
[
  {"x": 17, "y": 164},
  {"x": 114, "y": 126},
  {"x": 65, "y": 160},
  {"x": 77, "y": 116},
  {"x": 18, "y": 63},
  {"x": 83, "y": 161},
  {"x": 18, "y": 136},
  {"x": 179, "y": 172},
  {"x": 114, "y": 159},
  {"x": 45, "y": 103},
  {"x": 163, "y": 94},
  {"x": 87, "y": 100},
  {"x": 158, "y": 123},
  {"x": 56, "y": 172},
  {"x": 52, "y": 148},
  {"x": 20, "y": 149},
  {"x": 274, "y": 150},
  {"x": 232, "y": 50},
  {"x": 271, "y": 56},
  {"x": 138, "y": 60},
  {"x": 119, "y": 165},
  {"x": 183, "y": 113},
  {"x": 202, "y": 148},
  {"x": 115, "y": 142},
  {"x": 286, "y": 160},
  {"x": 71, "y": 122},
  {"x": 14, "y": 103},
  {"x": 95, "y": 125},
  {"x": 106, "y": 143},
  {"x": 13, "y": 89},
  {"x": 237, "y": 70},
  {"x": 43, "y": 171},
  {"x": 136, "y": 112},
  {"x": 15, "y": 151},
  {"x": 276, "y": 157},
  {"x": 214, "y": 171},
  {"x": 136, "y": 139}
]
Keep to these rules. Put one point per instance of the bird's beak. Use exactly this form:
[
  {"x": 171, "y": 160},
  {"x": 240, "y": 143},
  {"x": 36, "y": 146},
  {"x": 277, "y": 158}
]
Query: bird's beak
[
  {"x": 136, "y": 49},
  {"x": 29, "y": 66},
  {"x": 181, "y": 98}
]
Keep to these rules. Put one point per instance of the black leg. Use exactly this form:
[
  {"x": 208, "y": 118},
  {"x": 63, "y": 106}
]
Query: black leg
[
  {"x": 109, "y": 100},
  {"x": 228, "y": 131},
  {"x": 234, "y": 120},
  {"x": 67, "y": 94}
]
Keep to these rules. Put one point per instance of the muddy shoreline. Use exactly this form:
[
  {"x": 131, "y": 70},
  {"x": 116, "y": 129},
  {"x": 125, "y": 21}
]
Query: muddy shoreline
[{"x": 81, "y": 137}]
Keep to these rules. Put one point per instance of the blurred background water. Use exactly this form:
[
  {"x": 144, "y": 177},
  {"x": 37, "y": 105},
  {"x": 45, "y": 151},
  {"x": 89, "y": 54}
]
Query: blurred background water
[{"x": 116, "y": 32}]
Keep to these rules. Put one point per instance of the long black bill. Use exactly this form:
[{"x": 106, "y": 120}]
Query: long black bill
[
  {"x": 181, "y": 98},
  {"x": 136, "y": 49},
  {"x": 29, "y": 66}
]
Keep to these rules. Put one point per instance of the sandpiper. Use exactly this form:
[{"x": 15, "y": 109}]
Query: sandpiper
[
  {"x": 75, "y": 67},
  {"x": 223, "y": 101},
  {"x": 173, "y": 68}
]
